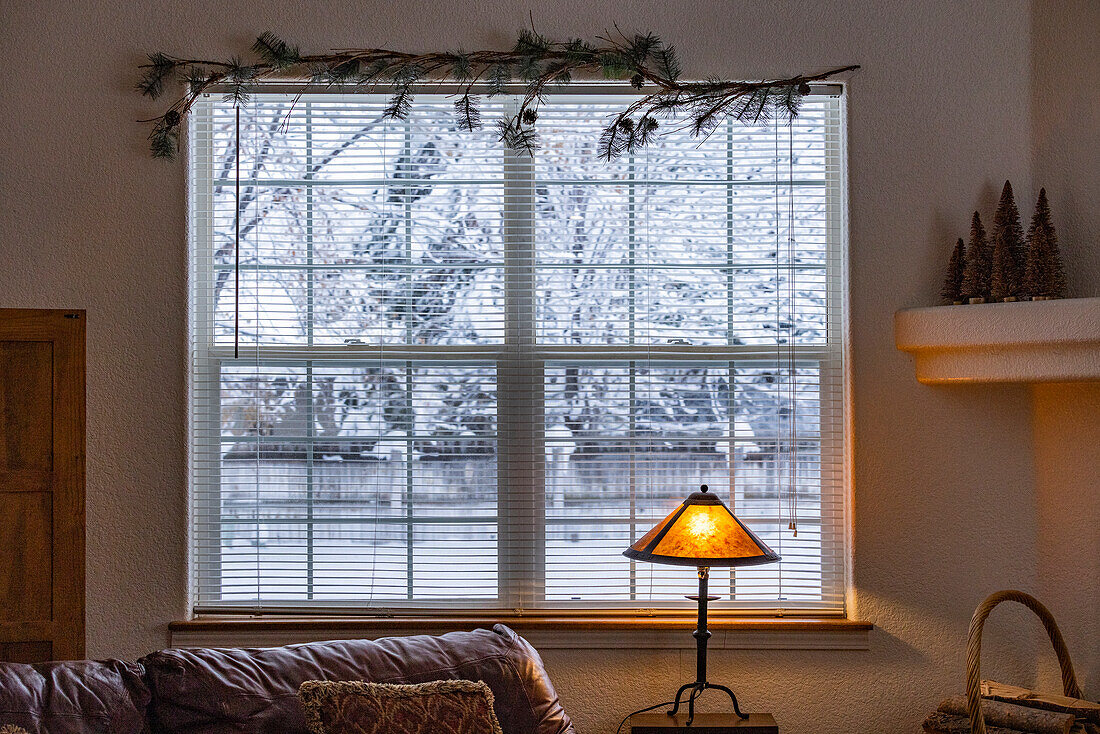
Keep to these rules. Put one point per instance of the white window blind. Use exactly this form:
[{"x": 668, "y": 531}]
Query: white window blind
[{"x": 470, "y": 378}]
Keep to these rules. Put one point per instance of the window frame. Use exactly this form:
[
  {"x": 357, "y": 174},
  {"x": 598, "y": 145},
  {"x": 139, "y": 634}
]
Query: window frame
[{"x": 517, "y": 360}]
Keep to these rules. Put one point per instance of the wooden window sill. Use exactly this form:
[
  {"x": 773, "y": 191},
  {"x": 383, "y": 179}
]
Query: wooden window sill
[{"x": 546, "y": 631}]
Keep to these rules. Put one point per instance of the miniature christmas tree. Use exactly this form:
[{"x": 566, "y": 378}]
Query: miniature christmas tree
[
  {"x": 952, "y": 284},
  {"x": 1044, "y": 275},
  {"x": 975, "y": 284},
  {"x": 1007, "y": 240}
]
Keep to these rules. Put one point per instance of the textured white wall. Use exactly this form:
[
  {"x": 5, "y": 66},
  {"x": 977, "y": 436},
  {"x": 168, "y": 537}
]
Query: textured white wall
[
  {"x": 946, "y": 504},
  {"x": 1065, "y": 115}
]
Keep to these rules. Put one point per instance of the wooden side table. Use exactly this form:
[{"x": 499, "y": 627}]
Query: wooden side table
[{"x": 662, "y": 723}]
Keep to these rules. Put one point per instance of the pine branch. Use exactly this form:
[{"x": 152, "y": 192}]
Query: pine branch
[
  {"x": 529, "y": 68},
  {"x": 461, "y": 69},
  {"x": 789, "y": 101},
  {"x": 614, "y": 64},
  {"x": 517, "y": 137},
  {"x": 375, "y": 70},
  {"x": 578, "y": 51},
  {"x": 239, "y": 77},
  {"x": 642, "y": 46},
  {"x": 647, "y": 130},
  {"x": 754, "y": 109},
  {"x": 498, "y": 78},
  {"x": 467, "y": 112},
  {"x": 159, "y": 68},
  {"x": 344, "y": 72},
  {"x": 643, "y": 59},
  {"x": 530, "y": 43},
  {"x": 197, "y": 78},
  {"x": 400, "y": 104},
  {"x": 614, "y": 139},
  {"x": 666, "y": 63},
  {"x": 275, "y": 51},
  {"x": 164, "y": 139}
]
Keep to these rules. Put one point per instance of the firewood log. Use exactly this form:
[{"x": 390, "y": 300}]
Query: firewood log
[
  {"x": 1079, "y": 707},
  {"x": 1013, "y": 716},
  {"x": 941, "y": 723}
]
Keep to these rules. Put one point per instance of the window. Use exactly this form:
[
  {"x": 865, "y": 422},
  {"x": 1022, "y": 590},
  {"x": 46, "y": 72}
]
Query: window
[{"x": 470, "y": 378}]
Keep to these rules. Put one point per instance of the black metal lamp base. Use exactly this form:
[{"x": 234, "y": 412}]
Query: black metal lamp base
[
  {"x": 701, "y": 635},
  {"x": 696, "y": 689}
]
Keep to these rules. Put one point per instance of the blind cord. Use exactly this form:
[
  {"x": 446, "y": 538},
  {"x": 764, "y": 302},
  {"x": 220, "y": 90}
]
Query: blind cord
[{"x": 237, "y": 246}]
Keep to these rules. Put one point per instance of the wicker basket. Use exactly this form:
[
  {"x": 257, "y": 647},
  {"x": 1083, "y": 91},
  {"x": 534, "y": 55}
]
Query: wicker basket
[{"x": 974, "y": 652}]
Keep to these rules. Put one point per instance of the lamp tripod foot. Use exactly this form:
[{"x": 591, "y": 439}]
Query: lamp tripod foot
[{"x": 696, "y": 689}]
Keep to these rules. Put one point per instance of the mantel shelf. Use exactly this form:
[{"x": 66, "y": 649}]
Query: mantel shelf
[{"x": 1029, "y": 341}]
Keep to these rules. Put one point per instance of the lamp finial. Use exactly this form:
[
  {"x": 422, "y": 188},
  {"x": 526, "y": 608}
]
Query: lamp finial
[{"x": 704, "y": 488}]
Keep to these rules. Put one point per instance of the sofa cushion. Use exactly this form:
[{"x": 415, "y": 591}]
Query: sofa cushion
[
  {"x": 210, "y": 691},
  {"x": 81, "y": 697}
]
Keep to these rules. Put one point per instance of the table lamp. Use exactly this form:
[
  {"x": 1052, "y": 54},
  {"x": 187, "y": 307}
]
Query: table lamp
[{"x": 701, "y": 532}]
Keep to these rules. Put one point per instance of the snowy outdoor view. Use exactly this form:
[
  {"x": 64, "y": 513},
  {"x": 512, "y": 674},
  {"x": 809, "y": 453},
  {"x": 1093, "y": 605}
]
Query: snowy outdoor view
[{"x": 468, "y": 377}]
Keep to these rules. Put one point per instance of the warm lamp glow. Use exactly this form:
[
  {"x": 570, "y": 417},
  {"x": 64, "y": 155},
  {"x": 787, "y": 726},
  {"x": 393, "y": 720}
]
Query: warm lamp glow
[
  {"x": 701, "y": 532},
  {"x": 701, "y": 526}
]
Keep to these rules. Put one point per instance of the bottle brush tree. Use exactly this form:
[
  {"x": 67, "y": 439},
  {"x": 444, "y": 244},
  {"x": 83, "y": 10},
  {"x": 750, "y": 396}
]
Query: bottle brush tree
[
  {"x": 952, "y": 282},
  {"x": 1007, "y": 241},
  {"x": 976, "y": 273},
  {"x": 1044, "y": 274}
]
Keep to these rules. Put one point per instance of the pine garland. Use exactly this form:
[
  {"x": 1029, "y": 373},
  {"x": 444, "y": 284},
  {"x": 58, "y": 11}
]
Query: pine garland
[{"x": 536, "y": 62}]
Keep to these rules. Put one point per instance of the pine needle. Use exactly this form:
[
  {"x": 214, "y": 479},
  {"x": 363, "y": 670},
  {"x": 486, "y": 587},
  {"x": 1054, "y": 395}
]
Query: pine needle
[
  {"x": 667, "y": 64},
  {"x": 275, "y": 51},
  {"x": 159, "y": 68},
  {"x": 467, "y": 113}
]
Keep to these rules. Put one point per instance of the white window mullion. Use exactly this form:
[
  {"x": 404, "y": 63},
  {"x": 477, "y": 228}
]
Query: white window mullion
[{"x": 521, "y": 486}]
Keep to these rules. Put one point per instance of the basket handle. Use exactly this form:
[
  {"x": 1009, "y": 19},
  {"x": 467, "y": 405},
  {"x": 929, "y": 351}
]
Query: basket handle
[{"x": 974, "y": 651}]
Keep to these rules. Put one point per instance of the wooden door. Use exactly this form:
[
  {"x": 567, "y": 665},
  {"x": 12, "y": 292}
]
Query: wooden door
[{"x": 41, "y": 485}]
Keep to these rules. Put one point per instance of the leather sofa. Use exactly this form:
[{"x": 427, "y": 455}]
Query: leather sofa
[{"x": 218, "y": 690}]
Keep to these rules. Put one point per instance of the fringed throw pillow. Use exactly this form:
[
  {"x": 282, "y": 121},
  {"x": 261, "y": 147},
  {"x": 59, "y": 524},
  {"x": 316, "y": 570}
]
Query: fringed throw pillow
[{"x": 438, "y": 707}]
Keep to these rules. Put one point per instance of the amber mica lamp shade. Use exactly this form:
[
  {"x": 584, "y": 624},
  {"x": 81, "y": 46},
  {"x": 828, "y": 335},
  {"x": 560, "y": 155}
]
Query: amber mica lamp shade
[{"x": 701, "y": 532}]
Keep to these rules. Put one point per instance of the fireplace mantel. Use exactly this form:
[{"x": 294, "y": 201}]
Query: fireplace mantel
[{"x": 1030, "y": 341}]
